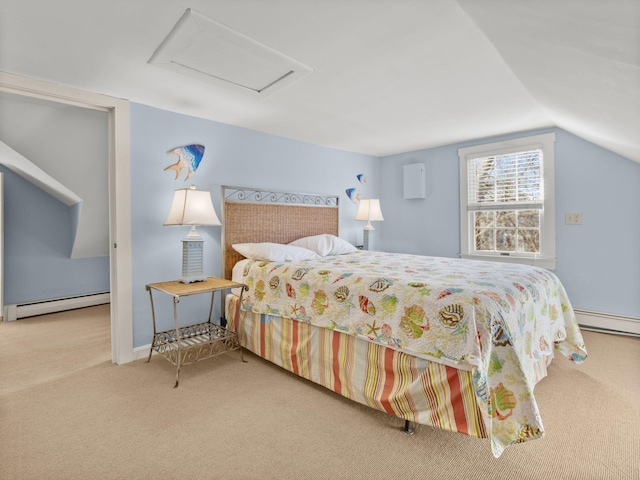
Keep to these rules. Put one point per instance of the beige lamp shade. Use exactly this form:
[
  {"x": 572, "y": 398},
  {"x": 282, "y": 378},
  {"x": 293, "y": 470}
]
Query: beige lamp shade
[
  {"x": 369, "y": 211},
  {"x": 192, "y": 207}
]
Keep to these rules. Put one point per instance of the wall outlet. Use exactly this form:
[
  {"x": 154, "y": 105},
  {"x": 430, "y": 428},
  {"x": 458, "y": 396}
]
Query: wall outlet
[{"x": 573, "y": 218}]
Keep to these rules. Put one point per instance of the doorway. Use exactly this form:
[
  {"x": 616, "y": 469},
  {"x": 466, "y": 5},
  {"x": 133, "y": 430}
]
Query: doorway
[{"x": 119, "y": 209}]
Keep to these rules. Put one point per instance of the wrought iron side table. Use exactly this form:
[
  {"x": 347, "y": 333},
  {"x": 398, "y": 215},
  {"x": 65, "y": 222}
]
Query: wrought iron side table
[{"x": 188, "y": 344}]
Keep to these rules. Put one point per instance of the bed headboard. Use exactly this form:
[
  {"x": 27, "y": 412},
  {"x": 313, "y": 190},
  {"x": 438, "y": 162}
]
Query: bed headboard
[{"x": 252, "y": 215}]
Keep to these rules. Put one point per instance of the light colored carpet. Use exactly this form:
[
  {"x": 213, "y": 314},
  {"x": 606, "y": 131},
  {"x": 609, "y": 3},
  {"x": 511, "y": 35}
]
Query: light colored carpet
[{"x": 67, "y": 413}]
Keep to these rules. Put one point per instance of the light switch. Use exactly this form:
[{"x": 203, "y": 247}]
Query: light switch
[{"x": 573, "y": 218}]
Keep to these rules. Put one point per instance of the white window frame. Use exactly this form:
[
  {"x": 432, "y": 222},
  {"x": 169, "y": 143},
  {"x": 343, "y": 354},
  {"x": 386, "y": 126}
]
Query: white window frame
[{"x": 547, "y": 256}]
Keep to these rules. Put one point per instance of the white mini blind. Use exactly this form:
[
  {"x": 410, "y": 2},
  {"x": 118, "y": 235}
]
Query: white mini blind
[{"x": 514, "y": 180}]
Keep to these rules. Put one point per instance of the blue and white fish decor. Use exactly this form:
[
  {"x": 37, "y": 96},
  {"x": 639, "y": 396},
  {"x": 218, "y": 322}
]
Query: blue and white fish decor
[
  {"x": 361, "y": 178},
  {"x": 353, "y": 195},
  {"x": 189, "y": 157}
]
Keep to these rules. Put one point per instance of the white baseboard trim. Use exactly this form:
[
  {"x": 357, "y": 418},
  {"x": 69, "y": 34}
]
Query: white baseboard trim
[
  {"x": 141, "y": 352},
  {"x": 16, "y": 311},
  {"x": 608, "y": 322}
]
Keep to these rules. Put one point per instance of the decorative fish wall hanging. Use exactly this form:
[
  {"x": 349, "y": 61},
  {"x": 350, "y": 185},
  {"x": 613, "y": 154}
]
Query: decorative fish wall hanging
[
  {"x": 189, "y": 157},
  {"x": 353, "y": 195}
]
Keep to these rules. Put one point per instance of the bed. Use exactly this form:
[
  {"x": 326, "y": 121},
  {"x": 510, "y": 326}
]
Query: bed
[{"x": 450, "y": 343}]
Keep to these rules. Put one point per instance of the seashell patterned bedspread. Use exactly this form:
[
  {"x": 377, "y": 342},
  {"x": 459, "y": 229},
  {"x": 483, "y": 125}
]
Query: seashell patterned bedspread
[{"x": 502, "y": 321}]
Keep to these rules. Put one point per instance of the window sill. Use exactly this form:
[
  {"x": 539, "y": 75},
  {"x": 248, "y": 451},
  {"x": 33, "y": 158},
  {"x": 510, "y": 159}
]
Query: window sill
[{"x": 548, "y": 263}]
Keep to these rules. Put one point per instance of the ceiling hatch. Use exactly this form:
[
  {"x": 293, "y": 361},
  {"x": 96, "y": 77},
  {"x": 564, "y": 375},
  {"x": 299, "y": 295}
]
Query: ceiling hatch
[{"x": 203, "y": 48}]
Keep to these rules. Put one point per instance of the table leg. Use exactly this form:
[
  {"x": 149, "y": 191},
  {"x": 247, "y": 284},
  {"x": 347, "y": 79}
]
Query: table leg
[
  {"x": 176, "y": 299},
  {"x": 237, "y": 322},
  {"x": 153, "y": 318},
  {"x": 213, "y": 295}
]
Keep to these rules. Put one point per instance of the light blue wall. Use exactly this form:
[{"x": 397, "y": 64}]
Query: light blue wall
[
  {"x": 598, "y": 261},
  {"x": 428, "y": 226},
  {"x": 38, "y": 240},
  {"x": 233, "y": 156}
]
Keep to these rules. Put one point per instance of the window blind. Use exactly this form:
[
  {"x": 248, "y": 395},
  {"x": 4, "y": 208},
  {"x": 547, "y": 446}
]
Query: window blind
[{"x": 513, "y": 180}]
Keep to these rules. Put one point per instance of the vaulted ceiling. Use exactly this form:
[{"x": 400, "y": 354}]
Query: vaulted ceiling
[{"x": 371, "y": 76}]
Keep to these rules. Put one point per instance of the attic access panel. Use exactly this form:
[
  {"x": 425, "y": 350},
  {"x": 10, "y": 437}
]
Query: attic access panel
[{"x": 203, "y": 48}]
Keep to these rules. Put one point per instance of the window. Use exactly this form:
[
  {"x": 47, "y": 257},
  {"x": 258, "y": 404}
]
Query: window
[{"x": 507, "y": 207}]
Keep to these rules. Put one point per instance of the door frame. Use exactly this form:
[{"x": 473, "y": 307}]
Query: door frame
[{"x": 119, "y": 197}]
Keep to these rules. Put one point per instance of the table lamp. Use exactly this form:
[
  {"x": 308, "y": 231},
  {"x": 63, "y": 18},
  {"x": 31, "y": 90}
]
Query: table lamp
[
  {"x": 192, "y": 207},
  {"x": 369, "y": 210}
]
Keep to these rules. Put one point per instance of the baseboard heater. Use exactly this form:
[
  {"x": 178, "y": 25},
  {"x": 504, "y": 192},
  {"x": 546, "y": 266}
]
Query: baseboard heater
[
  {"x": 608, "y": 323},
  {"x": 31, "y": 309}
]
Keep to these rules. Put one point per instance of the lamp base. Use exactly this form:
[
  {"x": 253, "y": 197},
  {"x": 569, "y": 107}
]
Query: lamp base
[
  {"x": 367, "y": 239},
  {"x": 192, "y": 279},
  {"x": 192, "y": 261}
]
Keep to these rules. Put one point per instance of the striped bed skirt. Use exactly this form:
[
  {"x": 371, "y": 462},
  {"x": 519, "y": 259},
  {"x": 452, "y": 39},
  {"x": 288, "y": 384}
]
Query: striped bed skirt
[{"x": 408, "y": 387}]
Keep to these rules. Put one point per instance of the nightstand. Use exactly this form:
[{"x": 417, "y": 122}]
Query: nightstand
[{"x": 196, "y": 341}]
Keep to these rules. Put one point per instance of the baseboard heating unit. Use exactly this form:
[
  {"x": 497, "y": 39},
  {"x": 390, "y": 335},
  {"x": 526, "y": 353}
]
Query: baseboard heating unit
[
  {"x": 31, "y": 309},
  {"x": 608, "y": 323}
]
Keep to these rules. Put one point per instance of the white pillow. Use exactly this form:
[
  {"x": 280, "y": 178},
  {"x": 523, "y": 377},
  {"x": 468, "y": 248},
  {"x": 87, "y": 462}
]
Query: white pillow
[
  {"x": 274, "y": 252},
  {"x": 325, "y": 245}
]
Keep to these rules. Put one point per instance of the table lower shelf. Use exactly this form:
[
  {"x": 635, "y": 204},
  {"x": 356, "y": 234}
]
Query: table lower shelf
[{"x": 195, "y": 342}]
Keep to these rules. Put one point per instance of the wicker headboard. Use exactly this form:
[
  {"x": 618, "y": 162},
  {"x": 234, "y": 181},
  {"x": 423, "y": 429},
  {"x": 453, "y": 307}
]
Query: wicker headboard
[{"x": 253, "y": 215}]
